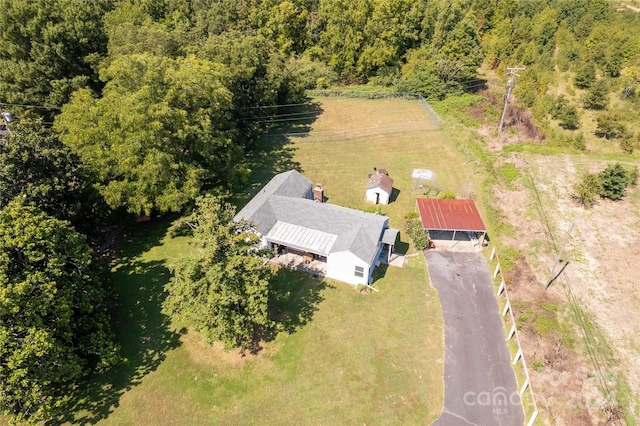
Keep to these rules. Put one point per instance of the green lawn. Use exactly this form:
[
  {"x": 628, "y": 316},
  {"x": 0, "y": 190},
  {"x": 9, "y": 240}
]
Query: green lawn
[
  {"x": 350, "y": 357},
  {"x": 346, "y": 357},
  {"x": 342, "y": 165}
]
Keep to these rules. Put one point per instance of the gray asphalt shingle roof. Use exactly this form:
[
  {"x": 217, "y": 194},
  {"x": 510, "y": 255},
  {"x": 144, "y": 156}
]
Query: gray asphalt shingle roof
[{"x": 282, "y": 200}]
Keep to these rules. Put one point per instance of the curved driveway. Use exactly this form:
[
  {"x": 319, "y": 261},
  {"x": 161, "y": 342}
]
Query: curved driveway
[{"x": 479, "y": 383}]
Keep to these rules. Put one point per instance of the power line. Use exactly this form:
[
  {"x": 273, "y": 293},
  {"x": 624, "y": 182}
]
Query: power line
[
  {"x": 574, "y": 304},
  {"x": 274, "y": 106},
  {"x": 29, "y": 106},
  {"x": 295, "y": 114}
]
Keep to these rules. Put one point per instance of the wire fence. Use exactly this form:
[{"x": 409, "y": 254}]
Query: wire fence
[
  {"x": 359, "y": 133},
  {"x": 351, "y": 93}
]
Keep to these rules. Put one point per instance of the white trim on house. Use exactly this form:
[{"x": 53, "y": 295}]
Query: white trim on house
[{"x": 284, "y": 215}]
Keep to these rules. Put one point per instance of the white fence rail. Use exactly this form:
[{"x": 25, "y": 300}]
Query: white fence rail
[{"x": 513, "y": 332}]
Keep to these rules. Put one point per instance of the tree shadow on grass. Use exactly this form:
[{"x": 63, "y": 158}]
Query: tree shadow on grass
[
  {"x": 274, "y": 153},
  {"x": 296, "y": 296},
  {"x": 142, "y": 330}
]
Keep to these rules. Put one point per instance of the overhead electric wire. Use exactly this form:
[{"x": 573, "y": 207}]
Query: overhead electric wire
[
  {"x": 573, "y": 300},
  {"x": 274, "y": 106},
  {"x": 29, "y": 106},
  {"x": 285, "y": 115}
]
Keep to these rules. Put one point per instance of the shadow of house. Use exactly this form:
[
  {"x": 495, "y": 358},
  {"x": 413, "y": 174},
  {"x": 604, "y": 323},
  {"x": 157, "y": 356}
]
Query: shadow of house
[
  {"x": 380, "y": 272},
  {"x": 294, "y": 299},
  {"x": 395, "y": 192}
]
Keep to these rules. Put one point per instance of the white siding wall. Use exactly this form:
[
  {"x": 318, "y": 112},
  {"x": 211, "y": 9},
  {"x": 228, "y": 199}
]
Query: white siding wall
[
  {"x": 342, "y": 266},
  {"x": 371, "y": 195}
]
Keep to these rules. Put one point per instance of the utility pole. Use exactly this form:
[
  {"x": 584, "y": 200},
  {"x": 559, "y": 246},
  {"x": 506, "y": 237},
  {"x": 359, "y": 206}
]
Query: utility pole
[
  {"x": 513, "y": 73},
  {"x": 5, "y": 118},
  {"x": 555, "y": 265}
]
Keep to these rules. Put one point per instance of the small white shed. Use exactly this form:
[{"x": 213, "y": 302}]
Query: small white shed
[{"x": 379, "y": 188}]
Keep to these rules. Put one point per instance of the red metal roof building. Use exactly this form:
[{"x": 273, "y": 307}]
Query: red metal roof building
[{"x": 450, "y": 215}]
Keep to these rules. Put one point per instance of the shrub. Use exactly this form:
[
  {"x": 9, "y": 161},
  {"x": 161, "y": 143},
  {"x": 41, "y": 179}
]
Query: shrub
[
  {"x": 632, "y": 175},
  {"x": 629, "y": 143},
  {"x": 614, "y": 181},
  {"x": 448, "y": 195},
  {"x": 418, "y": 234},
  {"x": 586, "y": 191},
  {"x": 609, "y": 126},
  {"x": 578, "y": 142},
  {"x": 597, "y": 97},
  {"x": 411, "y": 215}
]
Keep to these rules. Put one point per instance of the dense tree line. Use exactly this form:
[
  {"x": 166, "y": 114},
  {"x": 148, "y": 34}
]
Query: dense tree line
[{"x": 154, "y": 101}]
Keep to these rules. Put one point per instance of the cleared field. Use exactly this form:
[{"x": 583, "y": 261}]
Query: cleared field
[
  {"x": 346, "y": 358},
  {"x": 398, "y": 137}
]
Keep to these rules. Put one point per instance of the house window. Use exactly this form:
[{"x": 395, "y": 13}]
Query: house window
[{"x": 359, "y": 271}]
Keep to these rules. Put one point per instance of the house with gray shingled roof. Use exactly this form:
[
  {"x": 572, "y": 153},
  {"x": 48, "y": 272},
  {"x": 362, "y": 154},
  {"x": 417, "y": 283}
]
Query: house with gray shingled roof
[{"x": 348, "y": 242}]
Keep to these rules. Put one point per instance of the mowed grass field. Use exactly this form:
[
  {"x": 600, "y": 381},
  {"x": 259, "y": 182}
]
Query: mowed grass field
[
  {"x": 333, "y": 154},
  {"x": 347, "y": 358}
]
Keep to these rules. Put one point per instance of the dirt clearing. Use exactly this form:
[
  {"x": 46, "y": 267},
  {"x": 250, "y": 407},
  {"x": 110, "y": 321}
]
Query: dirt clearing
[{"x": 599, "y": 270}]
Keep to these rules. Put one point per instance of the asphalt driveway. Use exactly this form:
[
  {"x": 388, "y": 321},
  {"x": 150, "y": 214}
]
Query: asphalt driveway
[{"x": 479, "y": 383}]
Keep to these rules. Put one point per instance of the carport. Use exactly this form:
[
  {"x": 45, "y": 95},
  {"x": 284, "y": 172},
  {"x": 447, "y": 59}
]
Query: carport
[{"x": 457, "y": 219}]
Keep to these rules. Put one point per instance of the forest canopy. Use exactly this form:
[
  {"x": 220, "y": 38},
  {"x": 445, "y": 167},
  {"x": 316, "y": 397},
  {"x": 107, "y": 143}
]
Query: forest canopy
[{"x": 141, "y": 106}]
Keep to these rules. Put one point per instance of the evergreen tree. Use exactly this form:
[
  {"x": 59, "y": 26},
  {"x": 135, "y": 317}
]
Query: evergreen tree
[
  {"x": 39, "y": 168},
  {"x": 614, "y": 179},
  {"x": 585, "y": 75},
  {"x": 609, "y": 126},
  {"x": 48, "y": 48},
  {"x": 597, "y": 97}
]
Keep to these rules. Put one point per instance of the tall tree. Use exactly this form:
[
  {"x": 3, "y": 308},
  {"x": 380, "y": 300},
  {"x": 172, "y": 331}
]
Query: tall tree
[
  {"x": 160, "y": 131},
  {"x": 597, "y": 97},
  {"x": 131, "y": 30},
  {"x": 38, "y": 167},
  {"x": 257, "y": 76},
  {"x": 53, "y": 324},
  {"x": 342, "y": 40},
  {"x": 222, "y": 290},
  {"x": 48, "y": 48},
  {"x": 394, "y": 28},
  {"x": 286, "y": 27},
  {"x": 449, "y": 61}
]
